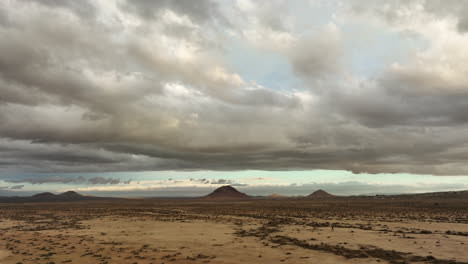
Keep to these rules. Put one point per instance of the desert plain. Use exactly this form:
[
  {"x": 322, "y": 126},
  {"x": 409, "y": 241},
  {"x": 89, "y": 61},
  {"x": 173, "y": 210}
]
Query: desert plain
[{"x": 376, "y": 229}]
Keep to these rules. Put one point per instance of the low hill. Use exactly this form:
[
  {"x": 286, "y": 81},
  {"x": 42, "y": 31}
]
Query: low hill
[
  {"x": 441, "y": 195},
  {"x": 226, "y": 193},
  {"x": 66, "y": 196},
  {"x": 44, "y": 195},
  {"x": 50, "y": 197},
  {"x": 320, "y": 194}
]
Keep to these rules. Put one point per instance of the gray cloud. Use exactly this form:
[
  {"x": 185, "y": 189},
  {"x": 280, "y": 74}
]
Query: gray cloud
[
  {"x": 82, "y": 8},
  {"x": 203, "y": 181},
  {"x": 217, "y": 181},
  {"x": 14, "y": 187},
  {"x": 198, "y": 11},
  {"x": 221, "y": 181},
  {"x": 318, "y": 56},
  {"x": 392, "y": 10},
  {"x": 67, "y": 180},
  {"x": 118, "y": 87},
  {"x": 227, "y": 182}
]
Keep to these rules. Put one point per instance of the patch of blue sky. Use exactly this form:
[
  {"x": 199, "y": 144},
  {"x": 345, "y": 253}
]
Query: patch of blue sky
[
  {"x": 272, "y": 69},
  {"x": 370, "y": 50},
  {"x": 313, "y": 16},
  {"x": 266, "y": 68}
]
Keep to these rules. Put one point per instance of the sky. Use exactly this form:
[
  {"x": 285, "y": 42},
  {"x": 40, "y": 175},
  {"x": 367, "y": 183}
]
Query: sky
[{"x": 177, "y": 98}]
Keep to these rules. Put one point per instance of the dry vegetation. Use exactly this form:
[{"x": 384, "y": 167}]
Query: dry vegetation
[{"x": 335, "y": 230}]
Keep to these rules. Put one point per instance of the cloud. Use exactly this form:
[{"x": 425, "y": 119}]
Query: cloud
[
  {"x": 84, "y": 8},
  {"x": 14, "y": 187},
  {"x": 198, "y": 11},
  {"x": 227, "y": 182},
  {"x": 150, "y": 85},
  {"x": 221, "y": 181},
  {"x": 68, "y": 180},
  {"x": 318, "y": 56},
  {"x": 394, "y": 11},
  {"x": 216, "y": 182}
]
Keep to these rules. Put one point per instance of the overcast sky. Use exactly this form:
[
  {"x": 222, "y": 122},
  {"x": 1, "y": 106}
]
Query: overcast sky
[{"x": 156, "y": 97}]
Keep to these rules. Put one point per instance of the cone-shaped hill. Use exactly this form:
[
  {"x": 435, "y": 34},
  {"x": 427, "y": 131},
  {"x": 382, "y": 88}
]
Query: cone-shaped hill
[
  {"x": 225, "y": 193},
  {"x": 320, "y": 194},
  {"x": 70, "y": 195}
]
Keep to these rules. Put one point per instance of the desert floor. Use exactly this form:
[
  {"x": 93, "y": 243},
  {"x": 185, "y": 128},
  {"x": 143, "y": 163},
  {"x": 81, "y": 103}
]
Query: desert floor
[{"x": 340, "y": 230}]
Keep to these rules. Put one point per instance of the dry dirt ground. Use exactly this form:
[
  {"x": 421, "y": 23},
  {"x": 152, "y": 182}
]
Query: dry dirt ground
[{"x": 340, "y": 230}]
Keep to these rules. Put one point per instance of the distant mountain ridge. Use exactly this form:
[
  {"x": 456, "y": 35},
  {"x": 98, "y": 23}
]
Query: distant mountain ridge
[
  {"x": 275, "y": 195},
  {"x": 230, "y": 193},
  {"x": 447, "y": 194},
  {"x": 225, "y": 193},
  {"x": 50, "y": 197},
  {"x": 68, "y": 196}
]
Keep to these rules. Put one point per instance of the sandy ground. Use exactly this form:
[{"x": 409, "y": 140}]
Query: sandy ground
[{"x": 253, "y": 232}]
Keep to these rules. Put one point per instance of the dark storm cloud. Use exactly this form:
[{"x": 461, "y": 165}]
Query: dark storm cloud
[
  {"x": 416, "y": 101},
  {"x": 68, "y": 180},
  {"x": 122, "y": 87}
]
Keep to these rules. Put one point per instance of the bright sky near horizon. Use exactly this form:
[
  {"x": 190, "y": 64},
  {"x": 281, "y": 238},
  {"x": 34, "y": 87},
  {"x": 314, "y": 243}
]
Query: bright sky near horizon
[{"x": 172, "y": 97}]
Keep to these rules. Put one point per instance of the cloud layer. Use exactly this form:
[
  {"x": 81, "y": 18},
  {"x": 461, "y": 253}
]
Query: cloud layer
[
  {"x": 152, "y": 85},
  {"x": 66, "y": 180}
]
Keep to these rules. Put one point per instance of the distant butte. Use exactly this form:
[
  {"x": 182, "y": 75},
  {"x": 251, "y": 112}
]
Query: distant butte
[
  {"x": 320, "y": 194},
  {"x": 225, "y": 193}
]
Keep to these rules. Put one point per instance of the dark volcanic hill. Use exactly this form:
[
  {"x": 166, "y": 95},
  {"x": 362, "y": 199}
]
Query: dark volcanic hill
[
  {"x": 320, "y": 194},
  {"x": 225, "y": 193},
  {"x": 70, "y": 195},
  {"x": 45, "y": 195}
]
